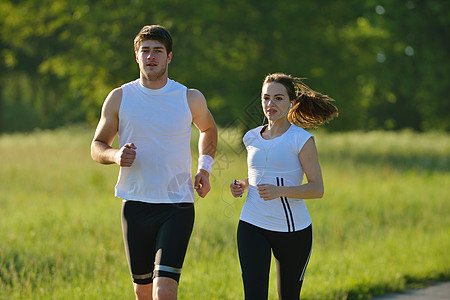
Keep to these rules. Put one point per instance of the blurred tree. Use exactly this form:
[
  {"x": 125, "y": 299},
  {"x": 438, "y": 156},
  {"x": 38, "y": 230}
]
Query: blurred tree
[
  {"x": 412, "y": 79},
  {"x": 385, "y": 62}
]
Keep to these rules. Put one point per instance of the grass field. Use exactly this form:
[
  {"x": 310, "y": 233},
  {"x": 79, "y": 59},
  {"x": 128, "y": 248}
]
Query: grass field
[{"x": 384, "y": 222}]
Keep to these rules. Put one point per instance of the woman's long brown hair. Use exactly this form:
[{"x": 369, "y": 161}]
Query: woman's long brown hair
[{"x": 311, "y": 109}]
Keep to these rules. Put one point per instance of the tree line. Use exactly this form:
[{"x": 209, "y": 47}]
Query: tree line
[{"x": 386, "y": 62}]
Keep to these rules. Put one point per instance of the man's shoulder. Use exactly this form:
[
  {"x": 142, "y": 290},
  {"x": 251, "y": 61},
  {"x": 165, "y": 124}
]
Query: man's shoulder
[
  {"x": 175, "y": 83},
  {"x": 198, "y": 106},
  {"x": 132, "y": 83},
  {"x": 195, "y": 98},
  {"x": 113, "y": 101},
  {"x": 194, "y": 94},
  {"x": 116, "y": 93}
]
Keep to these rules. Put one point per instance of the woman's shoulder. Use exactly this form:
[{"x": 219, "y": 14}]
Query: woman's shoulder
[
  {"x": 252, "y": 133},
  {"x": 298, "y": 131},
  {"x": 254, "y": 130},
  {"x": 298, "y": 137}
]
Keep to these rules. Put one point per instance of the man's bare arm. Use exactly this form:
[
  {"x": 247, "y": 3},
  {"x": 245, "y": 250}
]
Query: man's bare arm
[
  {"x": 101, "y": 147},
  {"x": 207, "y": 143}
]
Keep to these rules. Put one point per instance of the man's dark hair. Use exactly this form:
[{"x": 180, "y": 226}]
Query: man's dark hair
[{"x": 154, "y": 32}]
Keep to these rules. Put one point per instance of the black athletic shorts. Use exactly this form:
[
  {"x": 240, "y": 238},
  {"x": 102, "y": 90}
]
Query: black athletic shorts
[{"x": 156, "y": 237}]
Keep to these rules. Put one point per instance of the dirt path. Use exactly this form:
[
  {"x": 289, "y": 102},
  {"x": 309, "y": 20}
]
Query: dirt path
[{"x": 438, "y": 291}]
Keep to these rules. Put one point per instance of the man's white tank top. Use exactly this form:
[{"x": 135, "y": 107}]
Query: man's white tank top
[
  {"x": 158, "y": 122},
  {"x": 276, "y": 162}
]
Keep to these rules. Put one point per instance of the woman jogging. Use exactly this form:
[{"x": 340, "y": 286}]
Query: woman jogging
[{"x": 274, "y": 217}]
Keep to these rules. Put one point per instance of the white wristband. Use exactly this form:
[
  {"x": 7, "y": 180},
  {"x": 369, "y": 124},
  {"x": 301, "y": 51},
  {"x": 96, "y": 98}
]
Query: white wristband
[{"x": 205, "y": 162}]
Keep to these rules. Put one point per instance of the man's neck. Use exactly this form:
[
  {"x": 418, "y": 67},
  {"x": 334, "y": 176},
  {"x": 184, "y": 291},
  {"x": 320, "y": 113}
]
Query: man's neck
[{"x": 154, "y": 84}]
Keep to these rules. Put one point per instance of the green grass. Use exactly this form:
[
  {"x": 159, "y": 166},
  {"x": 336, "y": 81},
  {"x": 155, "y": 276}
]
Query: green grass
[{"x": 383, "y": 223}]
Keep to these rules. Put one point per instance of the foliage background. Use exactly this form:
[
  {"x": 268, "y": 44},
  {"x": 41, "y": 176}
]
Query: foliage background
[{"x": 385, "y": 62}]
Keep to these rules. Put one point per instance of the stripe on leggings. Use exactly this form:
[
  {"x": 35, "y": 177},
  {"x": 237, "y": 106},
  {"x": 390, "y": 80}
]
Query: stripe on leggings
[
  {"x": 143, "y": 276},
  {"x": 306, "y": 264},
  {"x": 168, "y": 269}
]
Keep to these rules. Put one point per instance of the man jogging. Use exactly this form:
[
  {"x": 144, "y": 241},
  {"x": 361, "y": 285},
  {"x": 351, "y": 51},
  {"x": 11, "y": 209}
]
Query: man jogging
[{"x": 152, "y": 117}]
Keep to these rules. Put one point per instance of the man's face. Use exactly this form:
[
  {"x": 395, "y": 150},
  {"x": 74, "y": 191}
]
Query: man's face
[{"x": 153, "y": 59}]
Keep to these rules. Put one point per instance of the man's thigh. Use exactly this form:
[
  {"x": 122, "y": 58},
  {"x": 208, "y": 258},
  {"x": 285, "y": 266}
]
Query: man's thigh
[
  {"x": 144, "y": 226},
  {"x": 172, "y": 242}
]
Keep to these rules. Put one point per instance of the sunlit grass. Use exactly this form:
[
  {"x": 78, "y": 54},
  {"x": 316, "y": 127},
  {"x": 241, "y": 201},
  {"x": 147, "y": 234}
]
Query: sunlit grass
[{"x": 382, "y": 224}]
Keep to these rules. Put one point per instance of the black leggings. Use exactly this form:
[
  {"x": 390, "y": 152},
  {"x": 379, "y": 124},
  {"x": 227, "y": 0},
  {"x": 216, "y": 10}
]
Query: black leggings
[{"x": 291, "y": 251}]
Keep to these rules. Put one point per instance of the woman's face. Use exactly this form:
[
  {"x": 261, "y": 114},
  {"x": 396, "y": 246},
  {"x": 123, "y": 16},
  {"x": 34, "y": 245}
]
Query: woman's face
[{"x": 275, "y": 101}]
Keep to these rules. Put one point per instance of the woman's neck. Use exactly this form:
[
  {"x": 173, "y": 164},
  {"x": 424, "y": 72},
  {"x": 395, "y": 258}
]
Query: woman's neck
[{"x": 276, "y": 128}]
